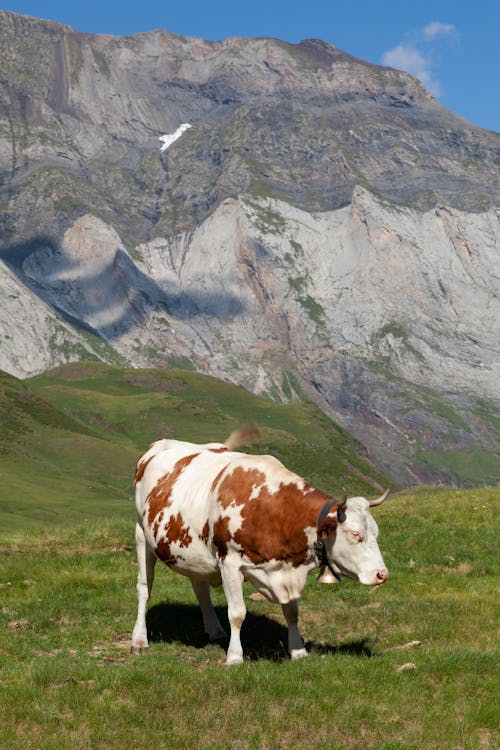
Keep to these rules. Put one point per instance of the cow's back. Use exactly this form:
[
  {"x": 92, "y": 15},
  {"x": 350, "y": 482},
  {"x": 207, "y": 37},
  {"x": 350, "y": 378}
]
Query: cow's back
[{"x": 199, "y": 503}]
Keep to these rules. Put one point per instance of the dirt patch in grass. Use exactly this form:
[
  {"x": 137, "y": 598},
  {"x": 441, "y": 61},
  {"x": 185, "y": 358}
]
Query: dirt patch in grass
[
  {"x": 153, "y": 382},
  {"x": 78, "y": 370},
  {"x": 118, "y": 550},
  {"x": 54, "y": 548},
  {"x": 462, "y": 569},
  {"x": 18, "y": 624}
]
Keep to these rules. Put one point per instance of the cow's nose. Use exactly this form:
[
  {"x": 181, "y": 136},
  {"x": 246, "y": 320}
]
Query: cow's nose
[{"x": 382, "y": 576}]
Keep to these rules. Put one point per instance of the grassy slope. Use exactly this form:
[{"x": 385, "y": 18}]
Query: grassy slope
[
  {"x": 68, "y": 679},
  {"x": 53, "y": 468},
  {"x": 69, "y": 439},
  {"x": 67, "y": 592}
]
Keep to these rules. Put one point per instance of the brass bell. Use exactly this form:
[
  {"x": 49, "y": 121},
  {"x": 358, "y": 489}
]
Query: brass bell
[{"x": 326, "y": 575}]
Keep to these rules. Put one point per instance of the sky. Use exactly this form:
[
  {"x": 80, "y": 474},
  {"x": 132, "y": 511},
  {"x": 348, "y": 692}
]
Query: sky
[{"x": 453, "y": 47}]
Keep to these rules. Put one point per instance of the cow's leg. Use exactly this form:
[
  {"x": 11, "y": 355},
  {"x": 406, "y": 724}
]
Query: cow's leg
[
  {"x": 146, "y": 560},
  {"x": 295, "y": 642},
  {"x": 232, "y": 581},
  {"x": 213, "y": 628}
]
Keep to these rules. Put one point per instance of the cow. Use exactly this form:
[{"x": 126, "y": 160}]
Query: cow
[{"x": 219, "y": 516}]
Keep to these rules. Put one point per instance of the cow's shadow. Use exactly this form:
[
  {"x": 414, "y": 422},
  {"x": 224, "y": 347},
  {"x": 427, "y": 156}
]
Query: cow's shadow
[{"x": 261, "y": 636}]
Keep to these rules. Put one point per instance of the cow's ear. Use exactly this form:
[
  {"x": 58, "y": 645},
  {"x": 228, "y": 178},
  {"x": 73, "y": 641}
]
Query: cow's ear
[{"x": 328, "y": 526}]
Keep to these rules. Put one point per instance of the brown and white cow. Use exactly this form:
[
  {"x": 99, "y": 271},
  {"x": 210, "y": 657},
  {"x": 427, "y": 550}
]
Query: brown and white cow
[{"x": 220, "y": 516}]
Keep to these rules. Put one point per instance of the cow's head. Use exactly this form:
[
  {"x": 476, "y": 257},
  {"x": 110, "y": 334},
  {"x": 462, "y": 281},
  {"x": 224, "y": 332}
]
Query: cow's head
[{"x": 350, "y": 536}]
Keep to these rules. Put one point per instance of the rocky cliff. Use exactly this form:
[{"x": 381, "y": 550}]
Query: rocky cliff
[{"x": 324, "y": 229}]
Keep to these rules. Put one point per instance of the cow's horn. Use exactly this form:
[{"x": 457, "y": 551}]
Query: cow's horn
[
  {"x": 344, "y": 497},
  {"x": 379, "y": 500}
]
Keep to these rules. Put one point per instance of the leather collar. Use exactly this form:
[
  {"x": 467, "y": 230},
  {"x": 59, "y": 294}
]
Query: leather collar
[{"x": 319, "y": 544}]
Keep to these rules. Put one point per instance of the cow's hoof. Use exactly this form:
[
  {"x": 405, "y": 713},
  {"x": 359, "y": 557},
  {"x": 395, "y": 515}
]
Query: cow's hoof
[
  {"x": 298, "y": 653},
  {"x": 139, "y": 648},
  {"x": 231, "y": 661},
  {"x": 219, "y": 635}
]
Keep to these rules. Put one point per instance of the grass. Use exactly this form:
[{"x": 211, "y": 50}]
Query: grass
[
  {"x": 463, "y": 466},
  {"x": 68, "y": 443},
  {"x": 69, "y": 680}
]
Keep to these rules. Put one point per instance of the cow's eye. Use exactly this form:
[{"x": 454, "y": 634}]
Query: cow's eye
[{"x": 356, "y": 535}]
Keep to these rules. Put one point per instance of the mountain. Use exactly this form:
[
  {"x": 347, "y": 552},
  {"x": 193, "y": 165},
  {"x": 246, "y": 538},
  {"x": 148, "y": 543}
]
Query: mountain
[{"x": 324, "y": 229}]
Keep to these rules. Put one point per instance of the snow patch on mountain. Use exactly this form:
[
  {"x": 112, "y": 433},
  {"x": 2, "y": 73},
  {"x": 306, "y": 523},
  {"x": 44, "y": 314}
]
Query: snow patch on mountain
[{"x": 170, "y": 138}]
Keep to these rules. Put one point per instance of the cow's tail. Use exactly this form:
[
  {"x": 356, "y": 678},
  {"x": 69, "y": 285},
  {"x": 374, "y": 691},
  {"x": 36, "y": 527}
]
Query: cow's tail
[{"x": 244, "y": 434}]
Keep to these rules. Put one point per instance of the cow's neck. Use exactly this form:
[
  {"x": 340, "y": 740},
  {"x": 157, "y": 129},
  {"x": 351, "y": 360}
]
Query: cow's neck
[
  {"x": 317, "y": 504},
  {"x": 316, "y": 500}
]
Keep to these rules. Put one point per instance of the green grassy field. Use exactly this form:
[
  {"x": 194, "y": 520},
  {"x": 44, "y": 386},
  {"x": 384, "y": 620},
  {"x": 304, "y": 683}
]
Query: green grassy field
[
  {"x": 409, "y": 665},
  {"x": 69, "y": 680}
]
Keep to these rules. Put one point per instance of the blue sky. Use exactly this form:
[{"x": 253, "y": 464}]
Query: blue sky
[{"x": 452, "y": 46}]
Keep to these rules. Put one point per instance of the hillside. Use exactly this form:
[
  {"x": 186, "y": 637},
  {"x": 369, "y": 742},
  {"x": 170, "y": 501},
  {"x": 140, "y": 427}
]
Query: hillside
[
  {"x": 69, "y": 439},
  {"x": 325, "y": 230}
]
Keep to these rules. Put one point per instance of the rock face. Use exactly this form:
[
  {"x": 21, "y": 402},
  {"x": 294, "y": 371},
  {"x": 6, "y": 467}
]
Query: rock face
[{"x": 324, "y": 229}]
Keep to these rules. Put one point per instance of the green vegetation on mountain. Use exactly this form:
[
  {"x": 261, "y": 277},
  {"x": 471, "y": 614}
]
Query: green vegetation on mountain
[{"x": 69, "y": 438}]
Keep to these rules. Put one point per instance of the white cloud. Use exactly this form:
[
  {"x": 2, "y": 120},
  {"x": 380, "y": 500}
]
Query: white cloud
[
  {"x": 434, "y": 29},
  {"x": 406, "y": 56},
  {"x": 416, "y": 53}
]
